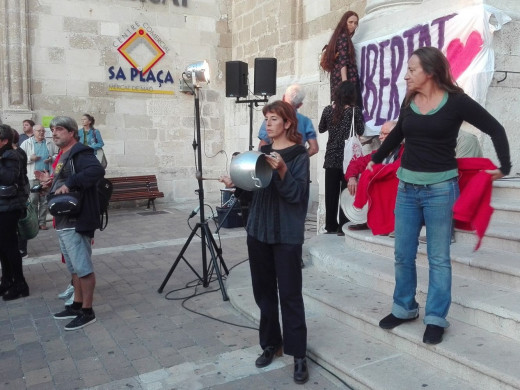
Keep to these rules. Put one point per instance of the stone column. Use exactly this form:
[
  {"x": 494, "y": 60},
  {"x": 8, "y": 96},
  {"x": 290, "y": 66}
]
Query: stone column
[
  {"x": 377, "y": 5},
  {"x": 15, "y": 103}
]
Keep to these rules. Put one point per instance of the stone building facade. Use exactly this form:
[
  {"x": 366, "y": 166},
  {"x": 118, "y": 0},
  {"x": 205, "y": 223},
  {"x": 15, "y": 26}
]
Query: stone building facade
[{"x": 61, "y": 57}]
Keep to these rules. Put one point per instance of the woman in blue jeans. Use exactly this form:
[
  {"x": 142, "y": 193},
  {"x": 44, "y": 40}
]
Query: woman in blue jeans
[{"x": 431, "y": 115}]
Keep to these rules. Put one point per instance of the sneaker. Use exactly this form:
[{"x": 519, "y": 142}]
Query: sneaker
[
  {"x": 70, "y": 301},
  {"x": 81, "y": 321},
  {"x": 69, "y": 312},
  {"x": 67, "y": 292}
]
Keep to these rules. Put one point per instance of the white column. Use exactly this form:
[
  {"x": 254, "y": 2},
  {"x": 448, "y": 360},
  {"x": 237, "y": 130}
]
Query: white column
[
  {"x": 14, "y": 67},
  {"x": 377, "y": 5}
]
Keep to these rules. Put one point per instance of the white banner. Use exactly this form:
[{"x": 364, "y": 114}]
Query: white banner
[{"x": 465, "y": 37}]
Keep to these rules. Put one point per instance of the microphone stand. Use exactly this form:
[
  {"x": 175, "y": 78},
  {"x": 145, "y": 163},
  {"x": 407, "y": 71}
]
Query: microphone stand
[{"x": 252, "y": 102}]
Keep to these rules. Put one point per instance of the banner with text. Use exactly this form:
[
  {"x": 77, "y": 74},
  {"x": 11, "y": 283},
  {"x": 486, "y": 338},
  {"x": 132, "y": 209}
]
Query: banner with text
[{"x": 465, "y": 37}]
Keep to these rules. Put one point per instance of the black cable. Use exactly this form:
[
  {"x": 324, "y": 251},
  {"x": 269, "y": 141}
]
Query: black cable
[{"x": 195, "y": 294}]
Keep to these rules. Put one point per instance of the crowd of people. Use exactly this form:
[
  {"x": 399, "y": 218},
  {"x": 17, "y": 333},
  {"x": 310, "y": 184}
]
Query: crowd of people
[
  {"x": 421, "y": 145},
  {"x": 33, "y": 167},
  {"x": 419, "y": 152}
]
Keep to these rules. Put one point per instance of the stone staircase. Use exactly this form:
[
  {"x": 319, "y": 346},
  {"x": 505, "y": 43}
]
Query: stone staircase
[{"x": 348, "y": 286}]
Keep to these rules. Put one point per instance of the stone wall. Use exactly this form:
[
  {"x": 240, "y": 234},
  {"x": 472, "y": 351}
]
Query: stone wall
[
  {"x": 56, "y": 57},
  {"x": 73, "y": 52}
]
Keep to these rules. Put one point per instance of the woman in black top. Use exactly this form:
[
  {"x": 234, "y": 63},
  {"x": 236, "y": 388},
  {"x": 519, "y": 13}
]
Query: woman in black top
[
  {"x": 336, "y": 119},
  {"x": 13, "y": 198},
  {"x": 275, "y": 233},
  {"x": 430, "y": 118}
]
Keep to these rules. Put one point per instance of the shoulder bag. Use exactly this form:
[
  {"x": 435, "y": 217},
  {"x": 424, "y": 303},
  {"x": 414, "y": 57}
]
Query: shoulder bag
[
  {"x": 28, "y": 226},
  {"x": 64, "y": 204},
  {"x": 100, "y": 154},
  {"x": 353, "y": 147}
]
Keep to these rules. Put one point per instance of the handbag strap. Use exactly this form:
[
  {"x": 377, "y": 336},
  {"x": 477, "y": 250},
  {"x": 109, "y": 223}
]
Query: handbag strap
[
  {"x": 352, "y": 125},
  {"x": 61, "y": 170}
]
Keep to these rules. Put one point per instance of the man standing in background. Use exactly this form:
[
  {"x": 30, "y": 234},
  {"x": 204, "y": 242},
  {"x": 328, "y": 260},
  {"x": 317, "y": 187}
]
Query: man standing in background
[
  {"x": 40, "y": 155},
  {"x": 294, "y": 95},
  {"x": 27, "y": 131}
]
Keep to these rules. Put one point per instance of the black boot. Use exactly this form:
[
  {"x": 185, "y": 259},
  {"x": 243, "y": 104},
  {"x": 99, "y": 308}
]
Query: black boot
[
  {"x": 5, "y": 284},
  {"x": 301, "y": 374},
  {"x": 17, "y": 290},
  {"x": 268, "y": 355}
]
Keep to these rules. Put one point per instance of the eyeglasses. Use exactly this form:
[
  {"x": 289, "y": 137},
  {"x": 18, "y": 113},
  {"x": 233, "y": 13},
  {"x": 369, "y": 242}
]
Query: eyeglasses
[{"x": 40, "y": 131}]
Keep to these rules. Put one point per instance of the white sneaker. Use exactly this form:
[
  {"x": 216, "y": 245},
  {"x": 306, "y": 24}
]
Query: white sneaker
[
  {"x": 67, "y": 293},
  {"x": 69, "y": 301}
]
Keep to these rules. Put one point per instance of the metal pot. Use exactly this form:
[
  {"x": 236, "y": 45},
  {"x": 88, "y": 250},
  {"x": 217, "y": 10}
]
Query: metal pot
[{"x": 250, "y": 171}]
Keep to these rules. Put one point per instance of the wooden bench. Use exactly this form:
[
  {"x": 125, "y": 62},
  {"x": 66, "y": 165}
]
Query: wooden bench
[{"x": 135, "y": 188}]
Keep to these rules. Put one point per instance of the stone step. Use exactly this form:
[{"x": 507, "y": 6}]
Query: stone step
[
  {"x": 484, "y": 359},
  {"x": 507, "y": 188},
  {"x": 506, "y": 210},
  {"x": 344, "y": 337},
  {"x": 492, "y": 307},
  {"x": 488, "y": 265},
  {"x": 353, "y": 355},
  {"x": 503, "y": 236}
]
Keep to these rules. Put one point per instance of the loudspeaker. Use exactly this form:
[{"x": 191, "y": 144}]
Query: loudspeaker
[
  {"x": 265, "y": 76},
  {"x": 236, "y": 79}
]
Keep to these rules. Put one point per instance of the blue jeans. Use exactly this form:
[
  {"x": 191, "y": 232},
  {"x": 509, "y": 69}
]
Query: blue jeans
[{"x": 430, "y": 205}]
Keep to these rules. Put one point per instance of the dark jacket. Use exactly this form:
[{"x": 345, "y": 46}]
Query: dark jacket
[
  {"x": 11, "y": 165},
  {"x": 87, "y": 171},
  {"x": 277, "y": 213}
]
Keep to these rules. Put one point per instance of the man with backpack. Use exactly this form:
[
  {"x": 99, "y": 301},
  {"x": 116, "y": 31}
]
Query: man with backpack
[{"x": 77, "y": 170}]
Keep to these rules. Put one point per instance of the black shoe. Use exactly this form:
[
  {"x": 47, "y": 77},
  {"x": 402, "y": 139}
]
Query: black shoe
[
  {"x": 301, "y": 374},
  {"x": 69, "y": 312},
  {"x": 302, "y": 263},
  {"x": 17, "y": 290},
  {"x": 5, "y": 284},
  {"x": 81, "y": 321},
  {"x": 391, "y": 321},
  {"x": 268, "y": 355},
  {"x": 23, "y": 254},
  {"x": 433, "y": 334}
]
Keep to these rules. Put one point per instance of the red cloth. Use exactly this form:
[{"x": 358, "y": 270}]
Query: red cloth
[
  {"x": 472, "y": 210},
  {"x": 379, "y": 188},
  {"x": 357, "y": 166}
]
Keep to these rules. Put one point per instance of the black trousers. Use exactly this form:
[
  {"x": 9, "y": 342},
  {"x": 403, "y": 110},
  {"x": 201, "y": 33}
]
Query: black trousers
[
  {"x": 276, "y": 271},
  {"x": 334, "y": 184},
  {"x": 10, "y": 257}
]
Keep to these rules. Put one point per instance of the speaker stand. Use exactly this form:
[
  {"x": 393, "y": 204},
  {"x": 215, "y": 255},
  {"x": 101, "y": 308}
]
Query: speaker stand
[{"x": 252, "y": 103}]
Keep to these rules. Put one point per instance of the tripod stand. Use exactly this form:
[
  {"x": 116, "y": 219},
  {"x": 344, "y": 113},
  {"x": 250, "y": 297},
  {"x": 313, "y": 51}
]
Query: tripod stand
[{"x": 206, "y": 238}]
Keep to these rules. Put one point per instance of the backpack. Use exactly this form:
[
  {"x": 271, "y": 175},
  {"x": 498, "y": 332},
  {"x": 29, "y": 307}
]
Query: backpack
[{"x": 104, "y": 191}]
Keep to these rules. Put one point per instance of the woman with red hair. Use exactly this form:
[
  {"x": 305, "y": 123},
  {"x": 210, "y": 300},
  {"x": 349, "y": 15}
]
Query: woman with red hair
[{"x": 339, "y": 57}]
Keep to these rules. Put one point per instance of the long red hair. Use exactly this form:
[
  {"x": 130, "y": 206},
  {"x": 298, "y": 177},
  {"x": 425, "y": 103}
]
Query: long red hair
[{"x": 329, "y": 55}]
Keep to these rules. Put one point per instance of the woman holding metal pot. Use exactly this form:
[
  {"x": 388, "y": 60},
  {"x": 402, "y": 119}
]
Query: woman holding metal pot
[{"x": 275, "y": 233}]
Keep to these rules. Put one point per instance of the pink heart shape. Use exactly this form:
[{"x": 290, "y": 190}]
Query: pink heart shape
[{"x": 460, "y": 56}]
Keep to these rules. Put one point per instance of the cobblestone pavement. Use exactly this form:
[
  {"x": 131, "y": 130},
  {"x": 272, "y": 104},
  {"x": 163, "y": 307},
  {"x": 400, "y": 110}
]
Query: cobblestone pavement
[{"x": 142, "y": 339}]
